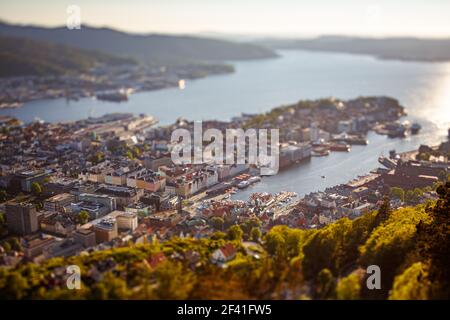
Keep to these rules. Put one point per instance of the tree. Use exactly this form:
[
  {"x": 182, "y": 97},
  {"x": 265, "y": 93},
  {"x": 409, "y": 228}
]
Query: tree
[
  {"x": 13, "y": 286},
  {"x": 384, "y": 211},
  {"x": 36, "y": 188},
  {"x": 129, "y": 155},
  {"x": 136, "y": 152},
  {"x": 15, "y": 244},
  {"x": 326, "y": 285},
  {"x": 249, "y": 224},
  {"x": 433, "y": 244},
  {"x": 398, "y": 193},
  {"x": 6, "y": 246},
  {"x": 412, "y": 284},
  {"x": 83, "y": 216},
  {"x": 217, "y": 223},
  {"x": 410, "y": 196},
  {"x": 349, "y": 288},
  {"x": 3, "y": 195},
  {"x": 97, "y": 157},
  {"x": 255, "y": 234},
  {"x": 235, "y": 233},
  {"x": 275, "y": 243},
  {"x": 174, "y": 282}
]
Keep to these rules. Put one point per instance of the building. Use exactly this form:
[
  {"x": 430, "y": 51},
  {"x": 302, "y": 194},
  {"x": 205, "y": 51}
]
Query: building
[
  {"x": 224, "y": 254},
  {"x": 58, "y": 202},
  {"x": 146, "y": 179},
  {"x": 123, "y": 195},
  {"x": 34, "y": 246},
  {"x": 127, "y": 221},
  {"x": 153, "y": 163},
  {"x": 314, "y": 131},
  {"x": 85, "y": 237},
  {"x": 21, "y": 218},
  {"x": 109, "y": 202},
  {"x": 95, "y": 209},
  {"x": 105, "y": 230},
  {"x": 27, "y": 178},
  {"x": 117, "y": 177},
  {"x": 64, "y": 248},
  {"x": 140, "y": 208},
  {"x": 56, "y": 223}
]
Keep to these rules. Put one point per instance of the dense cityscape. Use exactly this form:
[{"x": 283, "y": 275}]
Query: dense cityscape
[
  {"x": 192, "y": 151},
  {"x": 71, "y": 189}
]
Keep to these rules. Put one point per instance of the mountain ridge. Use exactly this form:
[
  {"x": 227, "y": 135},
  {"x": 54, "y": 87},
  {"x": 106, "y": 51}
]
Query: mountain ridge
[{"x": 150, "y": 48}]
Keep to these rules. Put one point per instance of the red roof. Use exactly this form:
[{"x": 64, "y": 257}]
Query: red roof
[
  {"x": 156, "y": 259},
  {"x": 228, "y": 250}
]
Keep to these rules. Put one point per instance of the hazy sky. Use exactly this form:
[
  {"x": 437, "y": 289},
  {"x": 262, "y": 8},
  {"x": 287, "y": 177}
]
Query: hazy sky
[{"x": 427, "y": 18}]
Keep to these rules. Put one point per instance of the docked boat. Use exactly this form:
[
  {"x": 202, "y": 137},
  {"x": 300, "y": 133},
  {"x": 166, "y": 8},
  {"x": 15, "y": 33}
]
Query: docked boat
[
  {"x": 115, "y": 96},
  {"x": 243, "y": 184},
  {"x": 254, "y": 179},
  {"x": 415, "y": 128},
  {"x": 320, "y": 152},
  {"x": 340, "y": 147}
]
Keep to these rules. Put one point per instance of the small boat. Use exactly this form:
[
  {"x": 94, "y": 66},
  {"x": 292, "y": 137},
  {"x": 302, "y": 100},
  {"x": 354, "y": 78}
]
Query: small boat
[
  {"x": 415, "y": 128},
  {"x": 115, "y": 96},
  {"x": 340, "y": 147},
  {"x": 320, "y": 152},
  {"x": 243, "y": 184},
  {"x": 254, "y": 179},
  {"x": 323, "y": 177}
]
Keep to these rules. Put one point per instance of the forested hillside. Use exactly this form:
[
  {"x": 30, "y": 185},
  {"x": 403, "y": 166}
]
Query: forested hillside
[
  {"x": 25, "y": 57},
  {"x": 410, "y": 245}
]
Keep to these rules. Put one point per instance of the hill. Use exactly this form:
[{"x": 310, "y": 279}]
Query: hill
[
  {"x": 151, "y": 48},
  {"x": 409, "y": 49},
  {"x": 20, "y": 57},
  {"x": 410, "y": 245}
]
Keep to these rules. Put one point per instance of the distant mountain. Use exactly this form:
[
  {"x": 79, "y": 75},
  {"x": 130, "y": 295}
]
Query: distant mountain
[
  {"x": 413, "y": 49},
  {"x": 151, "y": 48},
  {"x": 21, "y": 56}
]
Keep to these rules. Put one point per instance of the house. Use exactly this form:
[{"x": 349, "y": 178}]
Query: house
[
  {"x": 156, "y": 259},
  {"x": 224, "y": 254},
  {"x": 56, "y": 223}
]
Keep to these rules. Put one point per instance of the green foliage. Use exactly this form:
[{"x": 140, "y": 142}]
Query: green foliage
[
  {"x": 398, "y": 193},
  {"x": 83, "y": 217},
  {"x": 97, "y": 157},
  {"x": 129, "y": 154},
  {"x": 3, "y": 195},
  {"x": 255, "y": 234},
  {"x": 412, "y": 284},
  {"x": 326, "y": 285},
  {"x": 251, "y": 223},
  {"x": 36, "y": 188},
  {"x": 12, "y": 285},
  {"x": 235, "y": 233},
  {"x": 390, "y": 242},
  {"x": 410, "y": 245},
  {"x": 217, "y": 223},
  {"x": 173, "y": 281},
  {"x": 20, "y": 57},
  {"x": 348, "y": 288}
]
